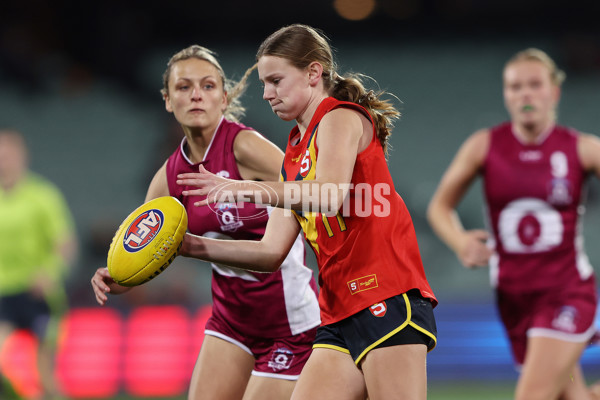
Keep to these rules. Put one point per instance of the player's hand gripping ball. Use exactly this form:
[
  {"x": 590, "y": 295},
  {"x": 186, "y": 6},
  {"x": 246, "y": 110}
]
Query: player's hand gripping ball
[{"x": 147, "y": 241}]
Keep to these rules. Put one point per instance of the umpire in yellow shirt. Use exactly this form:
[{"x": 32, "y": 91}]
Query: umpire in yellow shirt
[{"x": 37, "y": 245}]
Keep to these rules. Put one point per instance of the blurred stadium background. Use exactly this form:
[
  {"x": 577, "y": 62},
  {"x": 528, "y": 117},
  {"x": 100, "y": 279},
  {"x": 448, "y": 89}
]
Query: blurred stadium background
[{"x": 81, "y": 80}]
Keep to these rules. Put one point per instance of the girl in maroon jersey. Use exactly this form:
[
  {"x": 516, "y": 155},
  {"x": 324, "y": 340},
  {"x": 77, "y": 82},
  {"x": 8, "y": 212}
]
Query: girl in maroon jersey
[
  {"x": 260, "y": 333},
  {"x": 533, "y": 172},
  {"x": 376, "y": 304}
]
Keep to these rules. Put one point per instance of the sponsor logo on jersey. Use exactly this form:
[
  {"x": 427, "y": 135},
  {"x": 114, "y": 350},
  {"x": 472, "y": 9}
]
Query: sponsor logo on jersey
[
  {"x": 281, "y": 358},
  {"x": 378, "y": 309},
  {"x": 142, "y": 230},
  {"x": 362, "y": 284},
  {"x": 530, "y": 155}
]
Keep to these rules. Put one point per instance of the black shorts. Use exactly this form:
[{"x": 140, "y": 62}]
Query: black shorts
[
  {"x": 404, "y": 319},
  {"x": 25, "y": 311}
]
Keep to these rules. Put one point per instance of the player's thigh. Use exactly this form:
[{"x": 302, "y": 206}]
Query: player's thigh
[
  {"x": 222, "y": 371},
  {"x": 330, "y": 375},
  {"x": 264, "y": 388},
  {"x": 548, "y": 366},
  {"x": 396, "y": 372}
]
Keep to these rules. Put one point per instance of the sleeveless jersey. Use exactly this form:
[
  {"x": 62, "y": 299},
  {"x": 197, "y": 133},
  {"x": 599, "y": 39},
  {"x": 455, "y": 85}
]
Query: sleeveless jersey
[
  {"x": 258, "y": 304},
  {"x": 534, "y": 205},
  {"x": 368, "y": 252}
]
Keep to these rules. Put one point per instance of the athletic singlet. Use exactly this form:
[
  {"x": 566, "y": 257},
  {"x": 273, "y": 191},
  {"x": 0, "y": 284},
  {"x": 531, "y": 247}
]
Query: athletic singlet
[
  {"x": 368, "y": 252},
  {"x": 534, "y": 205},
  {"x": 259, "y": 304}
]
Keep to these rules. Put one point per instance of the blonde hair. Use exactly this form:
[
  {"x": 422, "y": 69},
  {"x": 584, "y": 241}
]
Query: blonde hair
[
  {"x": 302, "y": 44},
  {"x": 235, "y": 110},
  {"x": 532, "y": 54}
]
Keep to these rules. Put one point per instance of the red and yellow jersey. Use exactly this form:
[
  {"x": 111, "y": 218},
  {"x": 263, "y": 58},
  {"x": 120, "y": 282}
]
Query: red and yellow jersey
[{"x": 368, "y": 252}]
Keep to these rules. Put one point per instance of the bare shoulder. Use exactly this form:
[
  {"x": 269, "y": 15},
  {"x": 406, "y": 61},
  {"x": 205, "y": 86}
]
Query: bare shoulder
[
  {"x": 257, "y": 157},
  {"x": 342, "y": 115},
  {"x": 476, "y": 146},
  {"x": 588, "y": 139},
  {"x": 248, "y": 136},
  {"x": 588, "y": 148},
  {"x": 249, "y": 139},
  {"x": 479, "y": 138},
  {"x": 356, "y": 126}
]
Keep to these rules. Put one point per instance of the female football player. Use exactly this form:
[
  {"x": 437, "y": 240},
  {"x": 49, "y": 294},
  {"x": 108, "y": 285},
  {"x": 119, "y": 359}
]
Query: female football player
[
  {"x": 533, "y": 173},
  {"x": 376, "y": 305},
  {"x": 262, "y": 325}
]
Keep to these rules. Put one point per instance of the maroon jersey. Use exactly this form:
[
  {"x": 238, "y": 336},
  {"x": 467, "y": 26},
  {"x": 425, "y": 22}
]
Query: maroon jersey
[
  {"x": 259, "y": 304},
  {"x": 534, "y": 204},
  {"x": 368, "y": 252}
]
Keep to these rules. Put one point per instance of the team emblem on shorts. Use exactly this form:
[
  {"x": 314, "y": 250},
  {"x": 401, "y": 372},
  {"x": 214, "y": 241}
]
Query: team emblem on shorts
[
  {"x": 378, "y": 309},
  {"x": 281, "y": 359},
  {"x": 566, "y": 319},
  {"x": 142, "y": 230}
]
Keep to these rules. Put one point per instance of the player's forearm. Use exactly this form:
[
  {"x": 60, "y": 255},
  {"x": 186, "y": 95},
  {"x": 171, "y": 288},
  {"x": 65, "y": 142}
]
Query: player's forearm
[
  {"x": 446, "y": 224},
  {"x": 244, "y": 254}
]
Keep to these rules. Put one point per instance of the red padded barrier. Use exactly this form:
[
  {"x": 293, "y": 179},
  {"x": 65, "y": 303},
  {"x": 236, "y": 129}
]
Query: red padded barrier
[
  {"x": 89, "y": 353},
  {"x": 199, "y": 321},
  {"x": 18, "y": 360},
  {"x": 158, "y": 354}
]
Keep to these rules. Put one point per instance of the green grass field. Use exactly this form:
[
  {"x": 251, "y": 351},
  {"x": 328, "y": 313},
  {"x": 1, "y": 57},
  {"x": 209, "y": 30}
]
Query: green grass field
[
  {"x": 470, "y": 391},
  {"x": 459, "y": 390},
  {"x": 437, "y": 391}
]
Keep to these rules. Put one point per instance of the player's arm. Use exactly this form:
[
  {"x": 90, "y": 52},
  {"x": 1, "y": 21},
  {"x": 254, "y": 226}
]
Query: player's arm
[
  {"x": 588, "y": 147},
  {"x": 102, "y": 283},
  {"x": 257, "y": 158},
  {"x": 441, "y": 212},
  {"x": 341, "y": 137},
  {"x": 265, "y": 255},
  {"x": 158, "y": 186},
  {"x": 340, "y": 134}
]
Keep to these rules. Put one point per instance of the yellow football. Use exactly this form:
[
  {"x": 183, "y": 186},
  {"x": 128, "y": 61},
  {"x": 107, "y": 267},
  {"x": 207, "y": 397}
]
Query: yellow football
[{"x": 147, "y": 241}]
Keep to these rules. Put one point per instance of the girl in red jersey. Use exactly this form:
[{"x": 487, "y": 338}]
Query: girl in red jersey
[
  {"x": 533, "y": 173},
  {"x": 376, "y": 304},
  {"x": 262, "y": 326}
]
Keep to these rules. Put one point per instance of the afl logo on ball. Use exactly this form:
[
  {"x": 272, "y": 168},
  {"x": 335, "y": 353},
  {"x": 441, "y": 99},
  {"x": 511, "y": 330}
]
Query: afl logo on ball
[{"x": 142, "y": 230}]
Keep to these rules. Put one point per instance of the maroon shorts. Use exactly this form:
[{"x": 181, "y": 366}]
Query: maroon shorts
[
  {"x": 280, "y": 358},
  {"x": 567, "y": 314}
]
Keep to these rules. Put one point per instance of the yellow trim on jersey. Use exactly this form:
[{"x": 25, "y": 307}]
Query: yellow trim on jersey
[
  {"x": 398, "y": 329},
  {"x": 307, "y": 222},
  {"x": 326, "y": 224},
  {"x": 330, "y": 346},
  {"x": 341, "y": 222}
]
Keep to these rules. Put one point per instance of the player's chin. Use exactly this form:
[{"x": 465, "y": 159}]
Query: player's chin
[{"x": 283, "y": 115}]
